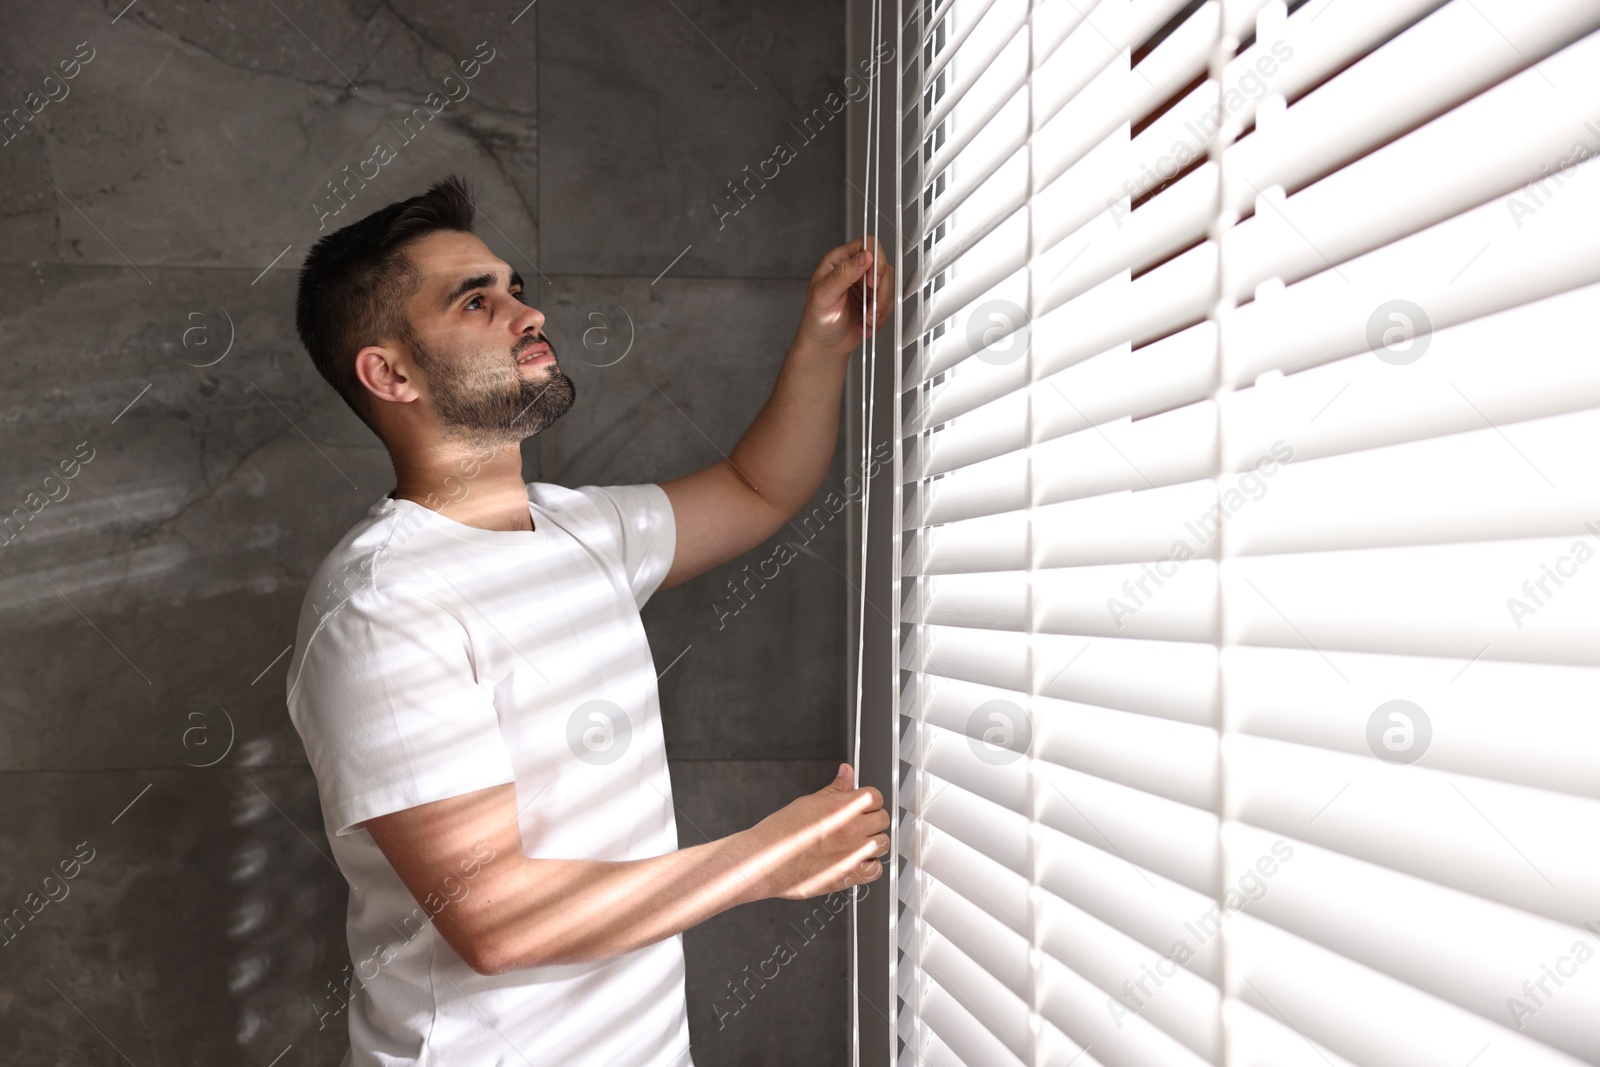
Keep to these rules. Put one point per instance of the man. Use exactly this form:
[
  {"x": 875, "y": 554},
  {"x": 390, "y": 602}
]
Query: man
[{"x": 472, "y": 682}]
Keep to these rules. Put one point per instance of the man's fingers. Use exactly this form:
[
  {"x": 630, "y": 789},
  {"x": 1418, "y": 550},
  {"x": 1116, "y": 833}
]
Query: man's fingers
[
  {"x": 866, "y": 871},
  {"x": 845, "y": 273},
  {"x": 850, "y": 253},
  {"x": 869, "y": 799},
  {"x": 878, "y": 285},
  {"x": 836, "y": 256}
]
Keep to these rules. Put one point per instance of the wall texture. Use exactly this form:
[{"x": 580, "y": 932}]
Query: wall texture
[{"x": 153, "y": 210}]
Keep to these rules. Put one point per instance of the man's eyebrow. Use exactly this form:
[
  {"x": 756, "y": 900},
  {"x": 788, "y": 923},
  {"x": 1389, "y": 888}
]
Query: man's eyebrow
[{"x": 477, "y": 281}]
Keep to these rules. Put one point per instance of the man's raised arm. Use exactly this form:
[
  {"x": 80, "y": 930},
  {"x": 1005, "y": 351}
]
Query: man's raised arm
[
  {"x": 509, "y": 912},
  {"x": 730, "y": 507}
]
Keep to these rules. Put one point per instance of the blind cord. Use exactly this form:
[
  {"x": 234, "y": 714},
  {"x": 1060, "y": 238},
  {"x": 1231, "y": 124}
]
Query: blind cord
[
  {"x": 869, "y": 219},
  {"x": 896, "y": 495}
]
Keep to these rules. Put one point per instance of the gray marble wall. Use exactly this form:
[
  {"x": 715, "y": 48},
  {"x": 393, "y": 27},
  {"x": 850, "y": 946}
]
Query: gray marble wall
[{"x": 167, "y": 167}]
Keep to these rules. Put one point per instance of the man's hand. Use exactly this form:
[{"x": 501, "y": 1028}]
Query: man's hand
[
  {"x": 832, "y": 322},
  {"x": 821, "y": 843}
]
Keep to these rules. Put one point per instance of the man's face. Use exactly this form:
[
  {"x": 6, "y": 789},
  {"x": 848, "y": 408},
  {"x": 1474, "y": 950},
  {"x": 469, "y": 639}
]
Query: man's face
[{"x": 491, "y": 374}]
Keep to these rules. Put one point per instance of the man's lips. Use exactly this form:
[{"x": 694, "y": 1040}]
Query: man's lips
[{"x": 536, "y": 354}]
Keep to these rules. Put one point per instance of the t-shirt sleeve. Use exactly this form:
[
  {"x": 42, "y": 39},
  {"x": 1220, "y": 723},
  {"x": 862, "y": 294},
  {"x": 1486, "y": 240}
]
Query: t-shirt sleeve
[
  {"x": 647, "y": 534},
  {"x": 390, "y": 711}
]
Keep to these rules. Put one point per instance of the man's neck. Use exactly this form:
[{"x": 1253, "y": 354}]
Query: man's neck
[{"x": 478, "y": 486}]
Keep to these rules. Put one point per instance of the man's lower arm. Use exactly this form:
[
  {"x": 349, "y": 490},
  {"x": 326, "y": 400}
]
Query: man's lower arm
[
  {"x": 546, "y": 912},
  {"x": 787, "y": 449}
]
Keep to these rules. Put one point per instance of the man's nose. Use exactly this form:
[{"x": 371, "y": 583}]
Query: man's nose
[{"x": 532, "y": 319}]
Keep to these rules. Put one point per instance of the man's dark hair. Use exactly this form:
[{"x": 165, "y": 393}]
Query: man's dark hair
[{"x": 355, "y": 283}]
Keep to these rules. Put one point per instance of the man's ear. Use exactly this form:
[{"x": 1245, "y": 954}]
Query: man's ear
[{"x": 386, "y": 373}]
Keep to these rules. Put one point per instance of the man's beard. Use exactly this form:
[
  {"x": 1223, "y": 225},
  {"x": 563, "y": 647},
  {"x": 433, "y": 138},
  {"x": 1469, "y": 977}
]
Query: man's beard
[{"x": 475, "y": 401}]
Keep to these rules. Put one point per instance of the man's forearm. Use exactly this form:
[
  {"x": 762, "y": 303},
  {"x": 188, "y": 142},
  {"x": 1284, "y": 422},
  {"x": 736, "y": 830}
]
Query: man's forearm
[
  {"x": 532, "y": 913},
  {"x": 520, "y": 912},
  {"x": 787, "y": 449}
]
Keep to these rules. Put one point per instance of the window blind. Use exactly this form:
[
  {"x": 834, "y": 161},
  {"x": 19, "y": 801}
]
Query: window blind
[{"x": 1249, "y": 659}]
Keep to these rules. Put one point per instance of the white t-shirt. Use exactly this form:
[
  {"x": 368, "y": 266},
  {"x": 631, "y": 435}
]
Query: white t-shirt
[{"x": 435, "y": 659}]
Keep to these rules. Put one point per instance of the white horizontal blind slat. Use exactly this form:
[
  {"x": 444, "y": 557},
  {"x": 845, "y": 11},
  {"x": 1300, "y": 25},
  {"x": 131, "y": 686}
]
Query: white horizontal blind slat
[
  {"x": 1429, "y": 609},
  {"x": 1365, "y": 402},
  {"x": 954, "y": 1023},
  {"x": 1363, "y": 1015},
  {"x": 1470, "y": 486},
  {"x": 1001, "y": 951},
  {"x": 1095, "y": 39},
  {"x": 1159, "y": 835},
  {"x": 1266, "y": 699},
  {"x": 1116, "y": 94},
  {"x": 997, "y": 889},
  {"x": 1170, "y": 448},
  {"x": 1114, "y": 384},
  {"x": 1256, "y": 1039},
  {"x": 1161, "y": 679},
  {"x": 1375, "y": 200},
  {"x": 1142, "y": 906},
  {"x": 1476, "y": 263},
  {"x": 1399, "y": 86},
  {"x": 977, "y": 821},
  {"x": 1078, "y": 1007},
  {"x": 1001, "y": 1017},
  {"x": 939, "y": 49},
  {"x": 1183, "y": 1005},
  {"x": 1429, "y": 825}
]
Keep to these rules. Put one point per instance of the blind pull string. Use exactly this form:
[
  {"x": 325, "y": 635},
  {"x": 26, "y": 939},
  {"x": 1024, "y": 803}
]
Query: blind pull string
[
  {"x": 869, "y": 221},
  {"x": 896, "y": 497}
]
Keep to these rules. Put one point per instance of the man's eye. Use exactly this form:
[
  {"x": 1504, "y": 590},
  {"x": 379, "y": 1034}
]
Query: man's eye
[
  {"x": 474, "y": 300},
  {"x": 520, "y": 295}
]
